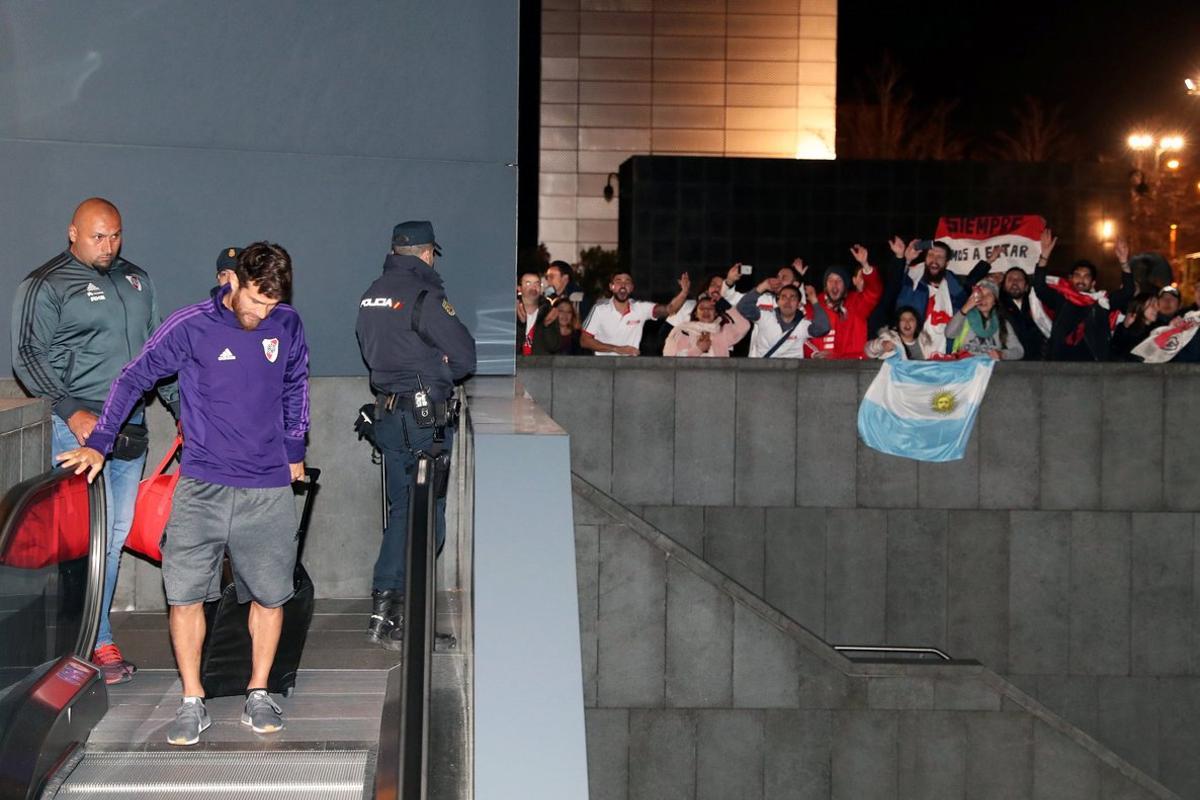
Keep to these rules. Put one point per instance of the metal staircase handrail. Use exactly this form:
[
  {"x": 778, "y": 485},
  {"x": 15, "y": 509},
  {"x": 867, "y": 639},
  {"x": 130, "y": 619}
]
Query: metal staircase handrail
[{"x": 870, "y": 648}]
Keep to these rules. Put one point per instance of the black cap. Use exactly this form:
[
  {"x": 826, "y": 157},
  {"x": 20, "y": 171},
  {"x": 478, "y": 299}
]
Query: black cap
[
  {"x": 415, "y": 232},
  {"x": 228, "y": 258}
]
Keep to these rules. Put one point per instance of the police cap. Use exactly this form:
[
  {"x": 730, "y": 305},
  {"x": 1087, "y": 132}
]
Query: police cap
[
  {"x": 228, "y": 258},
  {"x": 415, "y": 232}
]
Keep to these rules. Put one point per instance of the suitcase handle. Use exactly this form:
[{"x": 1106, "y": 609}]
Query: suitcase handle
[{"x": 309, "y": 485}]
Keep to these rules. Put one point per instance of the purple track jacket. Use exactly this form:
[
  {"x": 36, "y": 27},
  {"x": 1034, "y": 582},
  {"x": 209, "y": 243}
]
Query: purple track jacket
[{"x": 243, "y": 394}]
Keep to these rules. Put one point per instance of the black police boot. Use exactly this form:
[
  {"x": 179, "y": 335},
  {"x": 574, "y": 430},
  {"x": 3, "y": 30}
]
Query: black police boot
[
  {"x": 395, "y": 636},
  {"x": 381, "y": 623}
]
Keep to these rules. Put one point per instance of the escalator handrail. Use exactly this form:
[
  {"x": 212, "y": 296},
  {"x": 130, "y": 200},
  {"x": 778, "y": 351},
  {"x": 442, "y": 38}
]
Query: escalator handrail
[
  {"x": 416, "y": 668},
  {"x": 12, "y": 509}
]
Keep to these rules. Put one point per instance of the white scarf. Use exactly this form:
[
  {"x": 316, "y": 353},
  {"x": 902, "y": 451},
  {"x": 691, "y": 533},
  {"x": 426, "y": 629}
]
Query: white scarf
[{"x": 938, "y": 313}]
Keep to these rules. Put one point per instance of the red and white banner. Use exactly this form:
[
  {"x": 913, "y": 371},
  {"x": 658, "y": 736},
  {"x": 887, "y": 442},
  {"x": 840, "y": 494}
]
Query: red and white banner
[
  {"x": 975, "y": 239},
  {"x": 1165, "y": 342}
]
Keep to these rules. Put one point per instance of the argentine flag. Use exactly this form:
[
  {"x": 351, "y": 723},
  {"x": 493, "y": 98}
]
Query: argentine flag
[{"x": 924, "y": 409}]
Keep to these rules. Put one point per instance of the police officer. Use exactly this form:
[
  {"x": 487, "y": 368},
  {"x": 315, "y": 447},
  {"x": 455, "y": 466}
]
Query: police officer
[
  {"x": 226, "y": 264},
  {"x": 416, "y": 349}
]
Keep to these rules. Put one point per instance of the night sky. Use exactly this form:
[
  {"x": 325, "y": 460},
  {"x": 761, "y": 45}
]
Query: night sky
[{"x": 1110, "y": 66}]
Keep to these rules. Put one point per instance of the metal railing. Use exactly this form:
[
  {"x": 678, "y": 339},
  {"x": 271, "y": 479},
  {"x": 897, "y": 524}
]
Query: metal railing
[{"x": 883, "y": 650}]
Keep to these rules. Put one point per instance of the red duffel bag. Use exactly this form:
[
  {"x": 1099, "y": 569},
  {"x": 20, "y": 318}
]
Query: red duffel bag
[
  {"x": 53, "y": 529},
  {"x": 153, "y": 508}
]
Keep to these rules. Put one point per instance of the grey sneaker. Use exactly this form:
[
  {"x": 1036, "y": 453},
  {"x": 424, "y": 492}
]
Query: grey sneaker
[
  {"x": 261, "y": 713},
  {"x": 190, "y": 721}
]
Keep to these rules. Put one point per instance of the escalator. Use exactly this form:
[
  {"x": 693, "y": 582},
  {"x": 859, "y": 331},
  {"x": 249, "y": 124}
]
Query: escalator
[
  {"x": 64, "y": 734},
  {"x": 51, "y": 563}
]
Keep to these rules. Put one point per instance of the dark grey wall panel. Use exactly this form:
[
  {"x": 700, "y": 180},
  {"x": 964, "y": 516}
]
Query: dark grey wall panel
[
  {"x": 395, "y": 79},
  {"x": 317, "y": 125}
]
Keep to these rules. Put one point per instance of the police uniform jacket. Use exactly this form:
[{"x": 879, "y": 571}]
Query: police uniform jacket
[{"x": 438, "y": 348}]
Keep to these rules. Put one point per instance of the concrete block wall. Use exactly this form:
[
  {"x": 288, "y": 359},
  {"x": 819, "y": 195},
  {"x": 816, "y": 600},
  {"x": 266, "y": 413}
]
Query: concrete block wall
[
  {"x": 24, "y": 440},
  {"x": 687, "y": 77},
  {"x": 696, "y": 688},
  {"x": 1059, "y": 553}
]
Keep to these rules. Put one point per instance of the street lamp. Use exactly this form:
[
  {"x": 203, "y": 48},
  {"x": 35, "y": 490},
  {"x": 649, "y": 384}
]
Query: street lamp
[
  {"x": 1141, "y": 142},
  {"x": 1151, "y": 189},
  {"x": 1173, "y": 142}
]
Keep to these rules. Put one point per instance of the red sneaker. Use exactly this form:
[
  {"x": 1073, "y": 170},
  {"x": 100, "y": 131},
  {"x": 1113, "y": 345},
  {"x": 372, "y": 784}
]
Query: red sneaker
[{"x": 112, "y": 664}]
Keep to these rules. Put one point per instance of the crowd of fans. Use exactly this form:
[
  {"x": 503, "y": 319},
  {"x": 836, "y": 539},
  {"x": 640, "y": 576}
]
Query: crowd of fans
[{"x": 913, "y": 307}]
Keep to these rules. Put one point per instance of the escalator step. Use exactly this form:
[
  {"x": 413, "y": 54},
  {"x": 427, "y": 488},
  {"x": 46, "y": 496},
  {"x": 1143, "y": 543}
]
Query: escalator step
[{"x": 264, "y": 774}]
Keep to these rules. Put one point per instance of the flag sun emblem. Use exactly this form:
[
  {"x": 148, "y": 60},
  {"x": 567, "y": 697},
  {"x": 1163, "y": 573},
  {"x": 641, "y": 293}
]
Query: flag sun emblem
[{"x": 943, "y": 401}]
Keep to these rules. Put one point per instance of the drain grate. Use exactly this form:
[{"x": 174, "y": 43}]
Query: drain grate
[{"x": 265, "y": 775}]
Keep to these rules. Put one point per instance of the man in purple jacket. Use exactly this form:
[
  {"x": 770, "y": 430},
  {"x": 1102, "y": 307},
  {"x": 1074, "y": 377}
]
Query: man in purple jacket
[{"x": 243, "y": 383}]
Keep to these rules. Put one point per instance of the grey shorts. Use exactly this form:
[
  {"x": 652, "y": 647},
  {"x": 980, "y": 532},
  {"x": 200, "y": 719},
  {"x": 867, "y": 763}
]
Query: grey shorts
[{"x": 258, "y": 526}]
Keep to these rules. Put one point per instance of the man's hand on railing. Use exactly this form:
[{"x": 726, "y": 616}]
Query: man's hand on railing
[{"x": 82, "y": 458}]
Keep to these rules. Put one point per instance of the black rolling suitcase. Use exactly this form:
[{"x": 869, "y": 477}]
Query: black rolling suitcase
[{"x": 225, "y": 659}]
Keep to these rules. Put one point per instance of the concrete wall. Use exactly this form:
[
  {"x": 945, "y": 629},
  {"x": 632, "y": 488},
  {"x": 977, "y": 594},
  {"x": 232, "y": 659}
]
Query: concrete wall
[
  {"x": 697, "y": 77},
  {"x": 1059, "y": 553},
  {"x": 24, "y": 439},
  {"x": 696, "y": 688}
]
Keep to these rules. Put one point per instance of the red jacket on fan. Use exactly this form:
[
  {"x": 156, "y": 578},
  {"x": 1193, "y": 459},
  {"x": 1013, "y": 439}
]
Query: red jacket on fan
[{"x": 848, "y": 330}]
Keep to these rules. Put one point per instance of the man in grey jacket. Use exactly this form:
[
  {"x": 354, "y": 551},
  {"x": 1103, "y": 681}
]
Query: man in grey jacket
[{"x": 77, "y": 321}]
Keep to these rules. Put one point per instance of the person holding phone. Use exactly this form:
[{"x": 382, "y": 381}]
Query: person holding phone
[
  {"x": 919, "y": 277},
  {"x": 709, "y": 333},
  {"x": 561, "y": 288},
  {"x": 537, "y": 331},
  {"x": 981, "y": 326}
]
